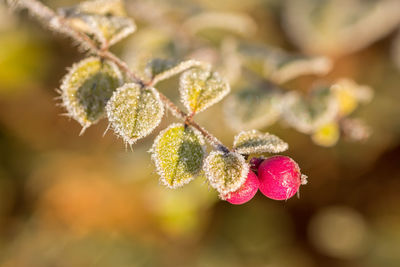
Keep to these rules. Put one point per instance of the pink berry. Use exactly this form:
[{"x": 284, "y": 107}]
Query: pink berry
[
  {"x": 246, "y": 192},
  {"x": 280, "y": 177}
]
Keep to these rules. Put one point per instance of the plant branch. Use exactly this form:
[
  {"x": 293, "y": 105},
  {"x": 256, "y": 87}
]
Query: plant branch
[{"x": 57, "y": 23}]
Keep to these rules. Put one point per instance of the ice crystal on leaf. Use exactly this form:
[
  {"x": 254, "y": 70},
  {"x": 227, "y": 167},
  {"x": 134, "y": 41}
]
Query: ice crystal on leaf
[
  {"x": 87, "y": 87},
  {"x": 201, "y": 88},
  {"x": 178, "y": 153},
  {"x": 248, "y": 142},
  {"x": 248, "y": 109},
  {"x": 225, "y": 171},
  {"x": 134, "y": 111}
]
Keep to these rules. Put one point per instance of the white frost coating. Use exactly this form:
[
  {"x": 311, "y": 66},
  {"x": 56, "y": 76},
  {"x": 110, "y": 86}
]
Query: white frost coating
[
  {"x": 180, "y": 160},
  {"x": 201, "y": 88},
  {"x": 134, "y": 112},
  {"x": 226, "y": 172},
  {"x": 77, "y": 75},
  {"x": 253, "y": 141},
  {"x": 182, "y": 66}
]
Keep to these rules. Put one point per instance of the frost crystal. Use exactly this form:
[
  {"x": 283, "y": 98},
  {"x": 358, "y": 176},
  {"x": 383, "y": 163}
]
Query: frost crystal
[
  {"x": 249, "y": 108},
  {"x": 87, "y": 87},
  {"x": 178, "y": 153},
  {"x": 134, "y": 112},
  {"x": 226, "y": 172},
  {"x": 253, "y": 141},
  {"x": 201, "y": 88}
]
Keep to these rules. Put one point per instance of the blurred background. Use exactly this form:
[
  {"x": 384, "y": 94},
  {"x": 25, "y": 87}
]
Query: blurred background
[{"x": 69, "y": 200}]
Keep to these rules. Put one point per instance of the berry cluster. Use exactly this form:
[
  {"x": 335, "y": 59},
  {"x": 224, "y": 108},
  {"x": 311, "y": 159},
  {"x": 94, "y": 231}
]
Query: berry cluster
[{"x": 277, "y": 177}]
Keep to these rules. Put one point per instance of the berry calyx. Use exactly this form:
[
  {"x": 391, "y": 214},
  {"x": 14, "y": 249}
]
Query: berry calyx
[
  {"x": 246, "y": 192},
  {"x": 280, "y": 177},
  {"x": 255, "y": 163}
]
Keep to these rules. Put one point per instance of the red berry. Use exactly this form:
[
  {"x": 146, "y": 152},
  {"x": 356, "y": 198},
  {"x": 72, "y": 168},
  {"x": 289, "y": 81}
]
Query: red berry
[
  {"x": 246, "y": 192},
  {"x": 280, "y": 177}
]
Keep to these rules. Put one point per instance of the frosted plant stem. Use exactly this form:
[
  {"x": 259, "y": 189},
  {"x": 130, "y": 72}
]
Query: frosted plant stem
[{"x": 57, "y": 23}]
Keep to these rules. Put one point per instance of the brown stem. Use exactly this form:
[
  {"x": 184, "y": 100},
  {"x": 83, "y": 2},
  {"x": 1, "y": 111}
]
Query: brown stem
[{"x": 57, "y": 23}]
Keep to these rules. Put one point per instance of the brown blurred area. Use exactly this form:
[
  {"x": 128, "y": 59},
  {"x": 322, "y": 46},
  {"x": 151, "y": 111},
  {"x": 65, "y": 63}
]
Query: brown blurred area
[{"x": 70, "y": 200}]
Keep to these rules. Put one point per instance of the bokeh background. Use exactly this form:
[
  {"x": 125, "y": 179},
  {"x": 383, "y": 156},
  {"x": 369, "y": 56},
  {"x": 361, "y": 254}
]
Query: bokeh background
[{"x": 69, "y": 200}]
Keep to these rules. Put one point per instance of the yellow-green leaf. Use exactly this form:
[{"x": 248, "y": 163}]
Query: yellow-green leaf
[
  {"x": 134, "y": 111},
  {"x": 178, "y": 153},
  {"x": 201, "y": 88},
  {"x": 225, "y": 171},
  {"x": 253, "y": 141},
  {"x": 87, "y": 87}
]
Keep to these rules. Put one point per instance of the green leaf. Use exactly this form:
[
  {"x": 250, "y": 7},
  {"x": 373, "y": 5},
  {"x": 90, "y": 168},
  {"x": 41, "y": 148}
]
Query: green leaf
[
  {"x": 338, "y": 27},
  {"x": 201, "y": 88},
  {"x": 248, "y": 142},
  {"x": 253, "y": 108},
  {"x": 307, "y": 114},
  {"x": 87, "y": 87},
  {"x": 134, "y": 111},
  {"x": 279, "y": 66},
  {"x": 178, "y": 153},
  {"x": 109, "y": 30},
  {"x": 103, "y": 20},
  {"x": 226, "y": 172}
]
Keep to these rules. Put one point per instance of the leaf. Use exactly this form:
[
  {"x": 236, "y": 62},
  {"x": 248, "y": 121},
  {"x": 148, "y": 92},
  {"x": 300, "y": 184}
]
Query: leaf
[
  {"x": 201, "y": 88},
  {"x": 279, "y": 66},
  {"x": 103, "y": 20},
  {"x": 109, "y": 30},
  {"x": 178, "y": 153},
  {"x": 338, "y": 27},
  {"x": 253, "y": 108},
  {"x": 307, "y": 114},
  {"x": 248, "y": 142},
  {"x": 87, "y": 87},
  {"x": 159, "y": 69},
  {"x": 226, "y": 172},
  {"x": 134, "y": 112}
]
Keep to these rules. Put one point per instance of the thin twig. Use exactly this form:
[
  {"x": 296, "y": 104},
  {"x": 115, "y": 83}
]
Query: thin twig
[{"x": 57, "y": 23}]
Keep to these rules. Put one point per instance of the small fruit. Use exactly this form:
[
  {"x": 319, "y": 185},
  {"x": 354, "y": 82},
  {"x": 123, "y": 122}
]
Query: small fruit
[
  {"x": 246, "y": 192},
  {"x": 280, "y": 177}
]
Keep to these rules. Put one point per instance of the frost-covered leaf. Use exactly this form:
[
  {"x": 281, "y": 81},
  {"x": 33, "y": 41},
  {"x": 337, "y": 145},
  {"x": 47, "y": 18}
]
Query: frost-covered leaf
[
  {"x": 98, "y": 7},
  {"x": 307, "y": 114},
  {"x": 178, "y": 153},
  {"x": 248, "y": 142},
  {"x": 109, "y": 30},
  {"x": 327, "y": 135},
  {"x": 103, "y": 20},
  {"x": 201, "y": 88},
  {"x": 87, "y": 87},
  {"x": 337, "y": 27},
  {"x": 355, "y": 129},
  {"x": 159, "y": 69},
  {"x": 280, "y": 66},
  {"x": 253, "y": 108},
  {"x": 226, "y": 172},
  {"x": 134, "y": 112}
]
